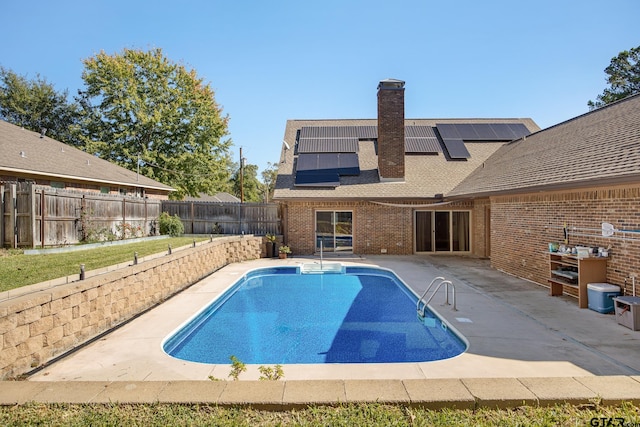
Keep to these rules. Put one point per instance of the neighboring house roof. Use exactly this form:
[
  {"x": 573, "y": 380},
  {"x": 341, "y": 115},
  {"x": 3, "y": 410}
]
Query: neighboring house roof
[
  {"x": 217, "y": 198},
  {"x": 25, "y": 152},
  {"x": 426, "y": 176},
  {"x": 601, "y": 147}
]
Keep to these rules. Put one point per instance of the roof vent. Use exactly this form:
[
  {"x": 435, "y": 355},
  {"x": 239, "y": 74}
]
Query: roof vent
[
  {"x": 23, "y": 154},
  {"x": 88, "y": 162},
  {"x": 42, "y": 132}
]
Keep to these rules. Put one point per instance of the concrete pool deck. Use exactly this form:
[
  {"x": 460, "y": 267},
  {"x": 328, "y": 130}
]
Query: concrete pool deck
[{"x": 524, "y": 346}]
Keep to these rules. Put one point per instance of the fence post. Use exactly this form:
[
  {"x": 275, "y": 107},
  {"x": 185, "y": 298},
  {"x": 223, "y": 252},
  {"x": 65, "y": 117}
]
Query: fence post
[
  {"x": 43, "y": 212},
  {"x": 193, "y": 218},
  {"x": 31, "y": 240},
  {"x": 13, "y": 215}
]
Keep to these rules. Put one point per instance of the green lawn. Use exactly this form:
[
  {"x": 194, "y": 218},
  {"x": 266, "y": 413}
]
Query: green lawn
[
  {"x": 346, "y": 415},
  {"x": 17, "y": 269}
]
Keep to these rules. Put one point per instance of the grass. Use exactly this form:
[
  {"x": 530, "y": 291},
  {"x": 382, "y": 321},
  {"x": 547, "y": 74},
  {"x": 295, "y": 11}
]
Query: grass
[
  {"x": 17, "y": 269},
  {"x": 345, "y": 415}
]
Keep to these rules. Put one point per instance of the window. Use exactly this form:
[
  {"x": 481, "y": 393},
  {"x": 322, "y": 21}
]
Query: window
[
  {"x": 442, "y": 231},
  {"x": 334, "y": 229},
  {"x": 105, "y": 190},
  {"x": 57, "y": 184}
]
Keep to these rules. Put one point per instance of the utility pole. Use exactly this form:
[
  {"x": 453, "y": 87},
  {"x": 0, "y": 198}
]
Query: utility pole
[{"x": 241, "y": 177}]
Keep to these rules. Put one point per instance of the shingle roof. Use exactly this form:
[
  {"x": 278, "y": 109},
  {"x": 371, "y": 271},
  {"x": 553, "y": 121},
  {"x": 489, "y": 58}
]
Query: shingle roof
[
  {"x": 221, "y": 197},
  {"x": 23, "y": 151},
  {"x": 599, "y": 147},
  {"x": 425, "y": 175}
]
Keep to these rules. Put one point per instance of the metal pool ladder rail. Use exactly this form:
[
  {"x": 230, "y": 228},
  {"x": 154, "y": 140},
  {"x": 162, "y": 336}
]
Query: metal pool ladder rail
[{"x": 440, "y": 281}]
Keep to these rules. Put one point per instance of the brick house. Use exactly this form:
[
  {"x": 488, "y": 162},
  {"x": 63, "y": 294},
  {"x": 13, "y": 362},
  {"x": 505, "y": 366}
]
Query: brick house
[
  {"x": 30, "y": 156},
  {"x": 576, "y": 176},
  {"x": 373, "y": 186}
]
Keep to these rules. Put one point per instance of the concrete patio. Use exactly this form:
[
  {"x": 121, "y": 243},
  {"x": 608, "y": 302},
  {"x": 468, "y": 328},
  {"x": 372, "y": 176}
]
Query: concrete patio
[{"x": 525, "y": 347}]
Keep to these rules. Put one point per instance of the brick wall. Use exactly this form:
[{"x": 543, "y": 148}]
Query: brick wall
[
  {"x": 523, "y": 225},
  {"x": 375, "y": 227},
  {"x": 37, "y": 327}
]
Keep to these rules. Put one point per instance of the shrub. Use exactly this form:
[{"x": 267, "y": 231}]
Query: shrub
[{"x": 170, "y": 225}]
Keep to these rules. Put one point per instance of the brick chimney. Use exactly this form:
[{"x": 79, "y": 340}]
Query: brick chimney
[{"x": 391, "y": 130}]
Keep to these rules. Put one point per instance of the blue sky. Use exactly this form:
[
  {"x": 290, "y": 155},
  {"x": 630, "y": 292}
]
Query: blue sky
[{"x": 269, "y": 61}]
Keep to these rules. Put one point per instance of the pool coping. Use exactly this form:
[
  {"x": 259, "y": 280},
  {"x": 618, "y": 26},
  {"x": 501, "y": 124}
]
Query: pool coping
[{"x": 464, "y": 393}]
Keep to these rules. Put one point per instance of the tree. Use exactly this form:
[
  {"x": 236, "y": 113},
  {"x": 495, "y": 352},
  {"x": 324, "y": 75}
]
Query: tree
[
  {"x": 141, "y": 110},
  {"x": 624, "y": 78},
  {"x": 36, "y": 105},
  {"x": 269, "y": 176},
  {"x": 253, "y": 188}
]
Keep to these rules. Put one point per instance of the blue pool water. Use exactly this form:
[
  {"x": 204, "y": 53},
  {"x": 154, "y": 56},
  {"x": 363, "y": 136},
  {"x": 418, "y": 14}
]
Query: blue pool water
[{"x": 282, "y": 316}]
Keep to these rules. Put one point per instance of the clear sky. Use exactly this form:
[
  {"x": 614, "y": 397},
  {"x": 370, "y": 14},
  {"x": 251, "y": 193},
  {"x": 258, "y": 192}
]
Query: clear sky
[{"x": 273, "y": 60}]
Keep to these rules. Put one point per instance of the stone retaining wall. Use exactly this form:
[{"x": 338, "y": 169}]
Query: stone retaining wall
[{"x": 37, "y": 327}]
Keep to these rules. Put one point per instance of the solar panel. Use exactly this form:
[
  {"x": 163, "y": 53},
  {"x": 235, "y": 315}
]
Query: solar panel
[
  {"x": 317, "y": 180},
  {"x": 456, "y": 149},
  {"x": 482, "y": 131},
  {"x": 422, "y": 145},
  {"x": 503, "y": 132},
  {"x": 328, "y": 145},
  {"x": 361, "y": 132},
  {"x": 448, "y": 131},
  {"x": 367, "y": 132},
  {"x": 419, "y": 132},
  {"x": 519, "y": 130},
  {"x": 313, "y": 169}
]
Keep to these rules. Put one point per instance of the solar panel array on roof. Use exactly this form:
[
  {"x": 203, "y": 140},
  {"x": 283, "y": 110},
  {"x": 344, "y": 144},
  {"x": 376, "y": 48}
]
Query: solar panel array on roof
[
  {"x": 482, "y": 131},
  {"x": 324, "y": 169}
]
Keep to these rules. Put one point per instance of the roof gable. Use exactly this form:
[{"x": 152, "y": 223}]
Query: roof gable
[{"x": 602, "y": 146}]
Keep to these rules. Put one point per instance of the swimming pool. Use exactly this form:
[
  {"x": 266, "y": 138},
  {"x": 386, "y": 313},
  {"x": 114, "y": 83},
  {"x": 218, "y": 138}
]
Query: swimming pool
[{"x": 286, "y": 315}]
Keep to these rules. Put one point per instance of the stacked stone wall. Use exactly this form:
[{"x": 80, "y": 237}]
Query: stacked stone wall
[{"x": 37, "y": 327}]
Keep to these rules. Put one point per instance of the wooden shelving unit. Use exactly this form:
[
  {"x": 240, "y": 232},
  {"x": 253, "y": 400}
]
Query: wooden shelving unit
[{"x": 572, "y": 271}]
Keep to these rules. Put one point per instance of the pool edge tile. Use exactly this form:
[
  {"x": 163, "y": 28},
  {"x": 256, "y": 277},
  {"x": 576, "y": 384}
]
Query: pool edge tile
[
  {"x": 189, "y": 391},
  {"x": 302, "y": 393},
  {"x": 257, "y": 394},
  {"x": 501, "y": 393},
  {"x": 439, "y": 393},
  {"x": 382, "y": 391},
  {"x": 613, "y": 389}
]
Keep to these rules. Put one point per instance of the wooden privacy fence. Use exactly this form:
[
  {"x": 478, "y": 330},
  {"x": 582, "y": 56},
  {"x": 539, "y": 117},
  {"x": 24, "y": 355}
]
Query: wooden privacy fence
[
  {"x": 40, "y": 216},
  {"x": 226, "y": 218},
  {"x": 34, "y": 215}
]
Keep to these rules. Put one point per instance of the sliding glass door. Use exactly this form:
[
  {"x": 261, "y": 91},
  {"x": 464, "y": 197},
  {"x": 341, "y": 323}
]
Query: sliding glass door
[
  {"x": 334, "y": 229},
  {"x": 442, "y": 231}
]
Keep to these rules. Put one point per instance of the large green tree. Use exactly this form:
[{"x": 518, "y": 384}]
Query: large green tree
[
  {"x": 623, "y": 76},
  {"x": 141, "y": 110},
  {"x": 36, "y": 105}
]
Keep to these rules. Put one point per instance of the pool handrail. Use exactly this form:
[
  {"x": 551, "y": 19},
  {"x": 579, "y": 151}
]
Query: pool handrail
[{"x": 440, "y": 278}]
